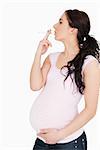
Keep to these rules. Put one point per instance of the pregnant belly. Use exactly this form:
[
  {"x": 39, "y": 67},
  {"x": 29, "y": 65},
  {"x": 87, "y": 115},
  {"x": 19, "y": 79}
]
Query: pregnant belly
[{"x": 50, "y": 114}]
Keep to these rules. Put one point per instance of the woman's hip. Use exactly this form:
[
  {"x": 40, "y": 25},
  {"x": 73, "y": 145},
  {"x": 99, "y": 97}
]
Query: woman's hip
[{"x": 79, "y": 143}]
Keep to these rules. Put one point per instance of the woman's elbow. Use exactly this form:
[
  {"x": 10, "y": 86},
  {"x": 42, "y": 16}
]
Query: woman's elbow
[{"x": 92, "y": 113}]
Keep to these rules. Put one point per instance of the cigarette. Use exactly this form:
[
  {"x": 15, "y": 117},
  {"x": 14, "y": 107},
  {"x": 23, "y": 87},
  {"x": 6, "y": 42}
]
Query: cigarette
[
  {"x": 47, "y": 34},
  {"x": 41, "y": 32},
  {"x": 52, "y": 31}
]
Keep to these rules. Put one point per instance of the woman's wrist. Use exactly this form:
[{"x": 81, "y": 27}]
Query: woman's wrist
[{"x": 62, "y": 133}]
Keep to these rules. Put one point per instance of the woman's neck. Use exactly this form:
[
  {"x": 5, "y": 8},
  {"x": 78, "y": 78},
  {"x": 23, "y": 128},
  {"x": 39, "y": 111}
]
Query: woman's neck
[{"x": 71, "y": 50}]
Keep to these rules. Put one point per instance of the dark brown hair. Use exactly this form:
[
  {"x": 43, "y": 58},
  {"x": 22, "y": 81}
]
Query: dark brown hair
[{"x": 88, "y": 45}]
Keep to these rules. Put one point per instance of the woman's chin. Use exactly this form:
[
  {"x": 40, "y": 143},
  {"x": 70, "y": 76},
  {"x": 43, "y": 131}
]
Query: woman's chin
[{"x": 58, "y": 39}]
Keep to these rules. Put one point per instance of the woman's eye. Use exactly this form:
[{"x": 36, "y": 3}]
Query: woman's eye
[{"x": 60, "y": 22}]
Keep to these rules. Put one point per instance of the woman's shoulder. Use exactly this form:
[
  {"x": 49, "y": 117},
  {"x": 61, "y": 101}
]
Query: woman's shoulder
[
  {"x": 90, "y": 56},
  {"x": 88, "y": 59}
]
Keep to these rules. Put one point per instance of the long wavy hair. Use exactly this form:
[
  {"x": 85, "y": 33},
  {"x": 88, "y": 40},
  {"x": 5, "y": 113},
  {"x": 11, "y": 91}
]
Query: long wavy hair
[{"x": 88, "y": 45}]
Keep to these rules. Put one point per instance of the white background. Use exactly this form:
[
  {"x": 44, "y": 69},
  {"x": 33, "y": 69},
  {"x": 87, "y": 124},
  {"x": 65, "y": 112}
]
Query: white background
[{"x": 24, "y": 23}]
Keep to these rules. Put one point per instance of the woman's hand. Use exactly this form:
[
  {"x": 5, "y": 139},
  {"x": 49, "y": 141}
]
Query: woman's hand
[
  {"x": 45, "y": 43},
  {"x": 51, "y": 135}
]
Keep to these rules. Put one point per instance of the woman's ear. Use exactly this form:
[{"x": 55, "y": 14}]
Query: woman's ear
[{"x": 74, "y": 30}]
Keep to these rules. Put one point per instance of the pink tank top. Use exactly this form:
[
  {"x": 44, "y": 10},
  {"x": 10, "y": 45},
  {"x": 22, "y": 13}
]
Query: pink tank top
[{"x": 56, "y": 106}]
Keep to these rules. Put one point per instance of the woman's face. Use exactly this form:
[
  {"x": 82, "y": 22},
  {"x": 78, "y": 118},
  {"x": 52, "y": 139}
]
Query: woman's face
[{"x": 62, "y": 29}]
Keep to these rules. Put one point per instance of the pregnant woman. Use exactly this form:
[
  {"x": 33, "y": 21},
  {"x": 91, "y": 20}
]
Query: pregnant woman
[{"x": 65, "y": 76}]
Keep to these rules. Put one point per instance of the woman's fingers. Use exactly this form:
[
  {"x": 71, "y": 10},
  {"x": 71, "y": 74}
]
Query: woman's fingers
[
  {"x": 47, "y": 35},
  {"x": 46, "y": 42},
  {"x": 49, "y": 43},
  {"x": 45, "y": 39}
]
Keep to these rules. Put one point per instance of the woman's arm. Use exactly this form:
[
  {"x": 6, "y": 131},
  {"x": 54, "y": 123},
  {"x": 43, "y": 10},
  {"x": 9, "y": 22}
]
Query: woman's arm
[
  {"x": 36, "y": 74},
  {"x": 91, "y": 94}
]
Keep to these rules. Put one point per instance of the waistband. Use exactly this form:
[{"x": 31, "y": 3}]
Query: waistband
[
  {"x": 68, "y": 138},
  {"x": 82, "y": 136}
]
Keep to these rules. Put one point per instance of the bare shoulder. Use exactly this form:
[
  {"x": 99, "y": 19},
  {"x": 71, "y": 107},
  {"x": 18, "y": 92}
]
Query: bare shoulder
[
  {"x": 92, "y": 67},
  {"x": 92, "y": 75}
]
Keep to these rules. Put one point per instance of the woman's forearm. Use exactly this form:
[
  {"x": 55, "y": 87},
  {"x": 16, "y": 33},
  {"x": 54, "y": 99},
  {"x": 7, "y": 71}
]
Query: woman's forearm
[
  {"x": 77, "y": 123},
  {"x": 36, "y": 74}
]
